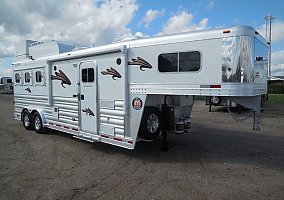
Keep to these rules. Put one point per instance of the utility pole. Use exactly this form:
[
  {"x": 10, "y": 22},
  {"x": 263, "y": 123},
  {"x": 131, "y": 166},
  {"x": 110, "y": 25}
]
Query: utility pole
[{"x": 268, "y": 19}]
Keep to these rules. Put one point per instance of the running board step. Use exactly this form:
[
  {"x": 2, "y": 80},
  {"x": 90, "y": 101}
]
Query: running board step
[{"x": 84, "y": 138}]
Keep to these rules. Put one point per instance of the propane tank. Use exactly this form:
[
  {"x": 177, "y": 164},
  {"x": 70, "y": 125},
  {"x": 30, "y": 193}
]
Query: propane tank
[
  {"x": 179, "y": 126},
  {"x": 187, "y": 125}
]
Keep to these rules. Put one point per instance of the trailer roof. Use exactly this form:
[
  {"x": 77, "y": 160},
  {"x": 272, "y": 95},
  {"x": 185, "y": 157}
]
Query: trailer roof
[{"x": 157, "y": 40}]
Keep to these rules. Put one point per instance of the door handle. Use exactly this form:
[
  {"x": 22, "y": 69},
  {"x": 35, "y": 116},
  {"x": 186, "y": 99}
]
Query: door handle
[{"x": 82, "y": 97}]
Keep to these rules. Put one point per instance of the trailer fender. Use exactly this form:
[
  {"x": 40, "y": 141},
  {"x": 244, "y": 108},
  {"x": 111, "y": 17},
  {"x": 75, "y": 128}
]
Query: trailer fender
[
  {"x": 41, "y": 113},
  {"x": 34, "y": 110},
  {"x": 25, "y": 109}
]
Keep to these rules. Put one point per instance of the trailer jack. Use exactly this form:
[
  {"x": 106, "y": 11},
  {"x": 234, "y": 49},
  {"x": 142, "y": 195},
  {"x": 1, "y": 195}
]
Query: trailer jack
[
  {"x": 256, "y": 120},
  {"x": 164, "y": 145}
]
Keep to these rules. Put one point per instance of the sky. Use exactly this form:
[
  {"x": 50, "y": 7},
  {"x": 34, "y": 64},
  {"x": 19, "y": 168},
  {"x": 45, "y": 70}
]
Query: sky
[{"x": 97, "y": 22}]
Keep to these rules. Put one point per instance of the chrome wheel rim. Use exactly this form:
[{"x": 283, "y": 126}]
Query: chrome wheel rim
[
  {"x": 214, "y": 99},
  {"x": 152, "y": 123},
  {"x": 37, "y": 123},
  {"x": 27, "y": 120}
]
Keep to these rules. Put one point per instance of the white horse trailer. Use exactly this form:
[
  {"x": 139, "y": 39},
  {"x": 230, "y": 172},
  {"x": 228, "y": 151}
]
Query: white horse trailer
[
  {"x": 130, "y": 90},
  {"x": 6, "y": 85}
]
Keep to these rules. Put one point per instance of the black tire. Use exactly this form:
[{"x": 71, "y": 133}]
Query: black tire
[
  {"x": 27, "y": 120},
  {"x": 150, "y": 126},
  {"x": 37, "y": 123},
  {"x": 215, "y": 100}
]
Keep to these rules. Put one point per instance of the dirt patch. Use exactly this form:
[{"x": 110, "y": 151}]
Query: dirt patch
[{"x": 219, "y": 159}]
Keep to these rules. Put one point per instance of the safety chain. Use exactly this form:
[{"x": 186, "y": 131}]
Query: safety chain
[{"x": 238, "y": 119}]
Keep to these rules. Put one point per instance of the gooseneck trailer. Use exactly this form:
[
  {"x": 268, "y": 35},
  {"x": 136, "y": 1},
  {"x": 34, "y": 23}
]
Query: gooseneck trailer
[{"x": 121, "y": 92}]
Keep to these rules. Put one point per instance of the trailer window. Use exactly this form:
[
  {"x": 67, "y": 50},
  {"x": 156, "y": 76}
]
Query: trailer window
[
  {"x": 179, "y": 62},
  {"x": 38, "y": 76},
  {"x": 261, "y": 53},
  {"x": 168, "y": 62},
  {"x": 88, "y": 75},
  {"x": 27, "y": 77},
  {"x": 189, "y": 61},
  {"x": 17, "y": 78}
]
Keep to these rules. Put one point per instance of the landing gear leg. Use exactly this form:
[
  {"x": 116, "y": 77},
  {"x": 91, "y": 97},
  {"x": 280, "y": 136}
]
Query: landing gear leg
[
  {"x": 164, "y": 146},
  {"x": 256, "y": 121}
]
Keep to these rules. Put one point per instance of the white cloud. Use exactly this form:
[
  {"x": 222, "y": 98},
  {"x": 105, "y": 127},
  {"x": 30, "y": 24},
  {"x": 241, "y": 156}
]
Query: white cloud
[
  {"x": 150, "y": 16},
  {"x": 71, "y": 21},
  {"x": 85, "y": 22},
  {"x": 5, "y": 71},
  {"x": 277, "y": 63},
  {"x": 6, "y": 51},
  {"x": 182, "y": 22},
  {"x": 210, "y": 4},
  {"x": 277, "y": 30},
  {"x": 202, "y": 24},
  {"x": 141, "y": 35}
]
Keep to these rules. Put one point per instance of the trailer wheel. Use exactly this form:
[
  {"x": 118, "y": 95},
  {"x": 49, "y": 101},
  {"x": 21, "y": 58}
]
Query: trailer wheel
[
  {"x": 38, "y": 125},
  {"x": 150, "y": 126},
  {"x": 27, "y": 120},
  {"x": 214, "y": 100}
]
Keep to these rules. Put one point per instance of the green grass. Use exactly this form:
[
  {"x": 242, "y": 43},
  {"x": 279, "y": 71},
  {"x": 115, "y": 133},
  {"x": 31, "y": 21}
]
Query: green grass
[{"x": 275, "y": 98}]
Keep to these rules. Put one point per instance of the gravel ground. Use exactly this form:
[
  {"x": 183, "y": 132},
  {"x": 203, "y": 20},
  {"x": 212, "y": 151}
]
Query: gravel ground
[{"x": 219, "y": 159}]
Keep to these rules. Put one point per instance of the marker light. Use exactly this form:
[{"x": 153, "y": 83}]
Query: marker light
[{"x": 226, "y": 31}]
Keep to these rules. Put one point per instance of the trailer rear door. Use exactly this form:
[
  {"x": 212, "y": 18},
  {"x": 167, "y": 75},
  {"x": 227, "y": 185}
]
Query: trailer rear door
[{"x": 88, "y": 96}]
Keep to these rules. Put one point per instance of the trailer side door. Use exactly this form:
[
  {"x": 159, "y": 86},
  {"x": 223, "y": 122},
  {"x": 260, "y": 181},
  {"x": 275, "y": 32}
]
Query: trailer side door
[
  {"x": 113, "y": 92},
  {"x": 88, "y": 96}
]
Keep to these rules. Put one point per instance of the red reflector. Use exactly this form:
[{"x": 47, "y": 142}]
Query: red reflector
[
  {"x": 105, "y": 136},
  {"x": 74, "y": 129},
  {"x": 226, "y": 31},
  {"x": 130, "y": 142},
  {"x": 66, "y": 127},
  {"x": 58, "y": 125},
  {"x": 215, "y": 86},
  {"x": 118, "y": 139}
]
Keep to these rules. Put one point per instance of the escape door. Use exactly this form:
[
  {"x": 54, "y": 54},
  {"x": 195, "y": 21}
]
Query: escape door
[{"x": 88, "y": 96}]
